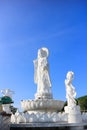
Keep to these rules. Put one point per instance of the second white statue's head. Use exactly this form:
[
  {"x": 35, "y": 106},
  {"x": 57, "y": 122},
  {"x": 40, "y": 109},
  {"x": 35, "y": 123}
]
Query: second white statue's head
[{"x": 70, "y": 75}]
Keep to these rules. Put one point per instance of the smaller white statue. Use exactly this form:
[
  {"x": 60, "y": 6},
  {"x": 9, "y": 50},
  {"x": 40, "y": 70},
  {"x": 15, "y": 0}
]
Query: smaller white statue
[
  {"x": 7, "y": 92},
  {"x": 70, "y": 90},
  {"x": 72, "y": 109}
]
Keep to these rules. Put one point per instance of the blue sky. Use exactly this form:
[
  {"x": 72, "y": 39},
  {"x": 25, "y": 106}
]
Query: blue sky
[{"x": 26, "y": 26}]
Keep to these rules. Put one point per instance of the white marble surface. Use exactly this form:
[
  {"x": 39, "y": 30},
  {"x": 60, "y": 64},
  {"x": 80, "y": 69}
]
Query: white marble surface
[
  {"x": 44, "y": 109},
  {"x": 38, "y": 117},
  {"x": 42, "y": 104},
  {"x": 72, "y": 109},
  {"x": 41, "y": 75},
  {"x": 74, "y": 115},
  {"x": 70, "y": 89}
]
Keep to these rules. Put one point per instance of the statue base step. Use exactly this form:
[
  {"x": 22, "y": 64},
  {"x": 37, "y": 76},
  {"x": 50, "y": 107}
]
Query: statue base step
[{"x": 48, "y": 126}]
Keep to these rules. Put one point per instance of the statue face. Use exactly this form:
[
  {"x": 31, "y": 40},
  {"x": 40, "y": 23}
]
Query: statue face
[
  {"x": 43, "y": 52},
  {"x": 70, "y": 75}
]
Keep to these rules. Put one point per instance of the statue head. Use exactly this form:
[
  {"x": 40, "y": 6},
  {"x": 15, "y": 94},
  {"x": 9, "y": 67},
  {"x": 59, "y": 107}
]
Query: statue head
[
  {"x": 70, "y": 75},
  {"x": 43, "y": 52}
]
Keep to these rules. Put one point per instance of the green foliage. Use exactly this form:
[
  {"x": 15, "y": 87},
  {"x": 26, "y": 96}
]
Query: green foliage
[
  {"x": 65, "y": 104},
  {"x": 5, "y": 100},
  {"x": 82, "y": 101}
]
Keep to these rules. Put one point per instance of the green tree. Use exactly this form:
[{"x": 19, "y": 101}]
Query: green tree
[{"x": 82, "y": 101}]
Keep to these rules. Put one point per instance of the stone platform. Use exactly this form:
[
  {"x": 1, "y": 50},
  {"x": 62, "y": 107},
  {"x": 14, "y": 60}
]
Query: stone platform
[
  {"x": 42, "y": 105},
  {"x": 49, "y": 126}
]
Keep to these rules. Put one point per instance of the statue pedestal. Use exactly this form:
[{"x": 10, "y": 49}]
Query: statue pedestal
[
  {"x": 43, "y": 95},
  {"x": 74, "y": 114},
  {"x": 41, "y": 110},
  {"x": 43, "y": 105}
]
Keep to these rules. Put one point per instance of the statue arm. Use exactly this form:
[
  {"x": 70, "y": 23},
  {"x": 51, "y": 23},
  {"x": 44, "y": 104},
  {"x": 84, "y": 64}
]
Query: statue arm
[
  {"x": 44, "y": 64},
  {"x": 68, "y": 82},
  {"x": 35, "y": 70}
]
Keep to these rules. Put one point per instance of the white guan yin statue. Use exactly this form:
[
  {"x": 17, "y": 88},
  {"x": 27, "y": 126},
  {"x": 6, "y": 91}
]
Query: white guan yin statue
[
  {"x": 70, "y": 90},
  {"x": 41, "y": 76}
]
